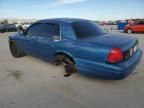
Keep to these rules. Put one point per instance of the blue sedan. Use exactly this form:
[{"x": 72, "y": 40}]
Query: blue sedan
[{"x": 80, "y": 46}]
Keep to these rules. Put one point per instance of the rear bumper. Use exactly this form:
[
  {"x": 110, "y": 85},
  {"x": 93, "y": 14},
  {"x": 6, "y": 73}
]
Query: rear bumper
[{"x": 108, "y": 71}]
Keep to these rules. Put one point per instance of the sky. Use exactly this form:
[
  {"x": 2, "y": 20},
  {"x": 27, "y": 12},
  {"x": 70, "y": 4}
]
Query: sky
[{"x": 87, "y": 9}]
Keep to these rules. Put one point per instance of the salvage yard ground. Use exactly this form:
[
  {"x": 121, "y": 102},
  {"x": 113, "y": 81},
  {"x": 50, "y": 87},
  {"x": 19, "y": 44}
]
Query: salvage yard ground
[{"x": 29, "y": 82}]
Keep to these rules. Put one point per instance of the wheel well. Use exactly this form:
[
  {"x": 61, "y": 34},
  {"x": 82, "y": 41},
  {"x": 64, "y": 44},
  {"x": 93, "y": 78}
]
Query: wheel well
[
  {"x": 130, "y": 29},
  {"x": 71, "y": 58},
  {"x": 11, "y": 41}
]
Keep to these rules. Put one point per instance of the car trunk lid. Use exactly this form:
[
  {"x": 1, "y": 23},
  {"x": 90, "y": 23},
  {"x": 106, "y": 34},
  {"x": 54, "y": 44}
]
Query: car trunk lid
[
  {"x": 114, "y": 40},
  {"x": 127, "y": 44}
]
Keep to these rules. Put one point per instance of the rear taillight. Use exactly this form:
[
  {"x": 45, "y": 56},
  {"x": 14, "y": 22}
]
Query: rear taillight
[{"x": 115, "y": 55}]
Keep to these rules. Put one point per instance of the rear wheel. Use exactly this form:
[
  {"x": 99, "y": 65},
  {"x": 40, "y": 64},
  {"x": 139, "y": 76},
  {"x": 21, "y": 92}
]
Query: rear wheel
[
  {"x": 129, "y": 31},
  {"x": 67, "y": 62},
  {"x": 14, "y": 51}
]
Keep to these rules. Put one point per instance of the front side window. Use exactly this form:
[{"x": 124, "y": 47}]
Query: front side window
[
  {"x": 34, "y": 30},
  {"x": 86, "y": 29}
]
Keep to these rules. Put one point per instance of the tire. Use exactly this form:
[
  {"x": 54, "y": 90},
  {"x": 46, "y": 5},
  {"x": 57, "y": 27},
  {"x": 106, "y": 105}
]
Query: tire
[
  {"x": 129, "y": 31},
  {"x": 14, "y": 51},
  {"x": 67, "y": 62},
  {"x": 1, "y": 31}
]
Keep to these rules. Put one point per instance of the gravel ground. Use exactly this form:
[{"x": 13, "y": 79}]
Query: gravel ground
[{"x": 29, "y": 82}]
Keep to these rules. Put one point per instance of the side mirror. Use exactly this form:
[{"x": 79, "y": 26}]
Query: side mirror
[
  {"x": 56, "y": 38},
  {"x": 21, "y": 31}
]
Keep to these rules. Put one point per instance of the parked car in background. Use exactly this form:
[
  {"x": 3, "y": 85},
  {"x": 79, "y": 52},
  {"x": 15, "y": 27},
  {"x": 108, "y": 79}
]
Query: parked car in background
[
  {"x": 139, "y": 27},
  {"x": 2, "y": 28},
  {"x": 80, "y": 46},
  {"x": 17, "y": 25},
  {"x": 10, "y": 27}
]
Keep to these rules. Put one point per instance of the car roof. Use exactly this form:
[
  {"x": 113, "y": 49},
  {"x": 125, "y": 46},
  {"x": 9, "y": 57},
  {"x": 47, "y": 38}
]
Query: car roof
[{"x": 60, "y": 20}]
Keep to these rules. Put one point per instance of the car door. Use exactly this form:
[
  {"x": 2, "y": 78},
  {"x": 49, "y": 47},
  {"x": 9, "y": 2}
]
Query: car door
[
  {"x": 30, "y": 38},
  {"x": 139, "y": 27},
  {"x": 46, "y": 44},
  {"x": 142, "y": 26}
]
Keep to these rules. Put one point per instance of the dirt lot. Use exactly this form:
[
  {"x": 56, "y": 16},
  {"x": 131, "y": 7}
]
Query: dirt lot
[{"x": 29, "y": 82}]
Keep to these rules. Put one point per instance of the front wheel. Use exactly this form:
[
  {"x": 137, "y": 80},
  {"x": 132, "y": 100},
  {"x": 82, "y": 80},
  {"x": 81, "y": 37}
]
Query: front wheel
[
  {"x": 129, "y": 31},
  {"x": 67, "y": 62},
  {"x": 14, "y": 51}
]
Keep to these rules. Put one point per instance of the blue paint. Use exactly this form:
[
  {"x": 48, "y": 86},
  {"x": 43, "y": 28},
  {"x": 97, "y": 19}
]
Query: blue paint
[{"x": 89, "y": 54}]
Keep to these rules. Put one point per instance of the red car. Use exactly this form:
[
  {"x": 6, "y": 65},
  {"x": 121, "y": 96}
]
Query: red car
[{"x": 130, "y": 28}]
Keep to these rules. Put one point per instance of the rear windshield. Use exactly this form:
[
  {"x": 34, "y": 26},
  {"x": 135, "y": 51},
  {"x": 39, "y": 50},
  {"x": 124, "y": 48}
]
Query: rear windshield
[
  {"x": 1, "y": 25},
  {"x": 86, "y": 29}
]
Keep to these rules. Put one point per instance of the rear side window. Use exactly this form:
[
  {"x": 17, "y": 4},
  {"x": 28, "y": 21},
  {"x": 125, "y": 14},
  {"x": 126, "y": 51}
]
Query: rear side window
[
  {"x": 86, "y": 29},
  {"x": 49, "y": 30},
  {"x": 34, "y": 29}
]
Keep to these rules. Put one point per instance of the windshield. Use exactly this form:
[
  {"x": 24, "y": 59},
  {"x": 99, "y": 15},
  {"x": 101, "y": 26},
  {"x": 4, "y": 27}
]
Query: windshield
[{"x": 86, "y": 29}]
